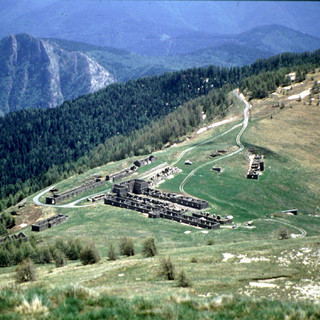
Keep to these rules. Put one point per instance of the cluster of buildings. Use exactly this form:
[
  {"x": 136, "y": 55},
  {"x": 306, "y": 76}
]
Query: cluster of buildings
[{"x": 137, "y": 195}]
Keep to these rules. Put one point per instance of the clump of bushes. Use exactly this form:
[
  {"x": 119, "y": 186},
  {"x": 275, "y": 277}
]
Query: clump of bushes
[
  {"x": 89, "y": 254},
  {"x": 167, "y": 269},
  {"x": 126, "y": 247},
  {"x": 149, "y": 248},
  {"x": 13, "y": 252},
  {"x": 25, "y": 271}
]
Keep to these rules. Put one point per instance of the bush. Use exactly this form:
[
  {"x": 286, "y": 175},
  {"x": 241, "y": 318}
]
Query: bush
[
  {"x": 73, "y": 249},
  {"x": 283, "y": 234},
  {"x": 5, "y": 260},
  {"x": 89, "y": 254},
  {"x": 25, "y": 271},
  {"x": 167, "y": 269},
  {"x": 112, "y": 252},
  {"x": 59, "y": 258},
  {"x": 209, "y": 242},
  {"x": 126, "y": 247},
  {"x": 182, "y": 280},
  {"x": 61, "y": 245},
  {"x": 149, "y": 248},
  {"x": 194, "y": 260}
]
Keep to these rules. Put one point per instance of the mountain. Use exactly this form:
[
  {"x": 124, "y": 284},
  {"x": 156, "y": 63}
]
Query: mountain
[
  {"x": 42, "y": 73},
  {"x": 39, "y": 146},
  {"x": 203, "y": 49},
  {"x": 146, "y": 26},
  {"x": 37, "y": 74}
]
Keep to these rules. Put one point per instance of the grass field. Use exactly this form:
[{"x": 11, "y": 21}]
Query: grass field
[{"x": 246, "y": 262}]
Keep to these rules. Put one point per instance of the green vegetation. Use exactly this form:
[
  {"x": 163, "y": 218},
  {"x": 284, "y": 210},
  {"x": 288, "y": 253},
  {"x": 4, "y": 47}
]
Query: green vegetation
[
  {"x": 89, "y": 254},
  {"x": 182, "y": 280},
  {"x": 167, "y": 269},
  {"x": 149, "y": 248},
  {"x": 126, "y": 247},
  {"x": 112, "y": 255},
  {"x": 25, "y": 271},
  {"x": 77, "y": 302}
]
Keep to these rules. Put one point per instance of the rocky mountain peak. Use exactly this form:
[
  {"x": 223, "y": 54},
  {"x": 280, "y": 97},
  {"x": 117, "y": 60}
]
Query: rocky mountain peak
[{"x": 37, "y": 74}]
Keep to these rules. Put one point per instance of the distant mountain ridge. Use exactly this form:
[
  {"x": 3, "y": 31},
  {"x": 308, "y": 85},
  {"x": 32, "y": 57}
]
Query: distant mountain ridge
[
  {"x": 37, "y": 74},
  {"x": 138, "y": 26},
  {"x": 42, "y": 73}
]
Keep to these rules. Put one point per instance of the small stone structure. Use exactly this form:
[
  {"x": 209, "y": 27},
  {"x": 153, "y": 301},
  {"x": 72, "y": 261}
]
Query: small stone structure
[
  {"x": 218, "y": 153},
  {"x": 49, "y": 223},
  {"x": 56, "y": 198},
  {"x": 137, "y": 195},
  {"x": 293, "y": 211},
  {"x": 145, "y": 161},
  {"x": 256, "y": 165},
  {"x": 216, "y": 169},
  {"x": 14, "y": 237},
  {"x": 97, "y": 197}
]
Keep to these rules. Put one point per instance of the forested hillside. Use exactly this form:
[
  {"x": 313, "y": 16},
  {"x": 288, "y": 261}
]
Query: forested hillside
[{"x": 39, "y": 147}]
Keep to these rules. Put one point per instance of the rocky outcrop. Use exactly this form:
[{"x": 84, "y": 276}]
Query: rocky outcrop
[{"x": 37, "y": 74}]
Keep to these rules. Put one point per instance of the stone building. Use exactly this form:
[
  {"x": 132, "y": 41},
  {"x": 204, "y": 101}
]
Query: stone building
[{"x": 49, "y": 223}]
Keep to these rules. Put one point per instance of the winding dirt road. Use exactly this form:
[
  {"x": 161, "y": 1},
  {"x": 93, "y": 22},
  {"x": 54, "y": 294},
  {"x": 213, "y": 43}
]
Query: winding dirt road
[{"x": 244, "y": 125}]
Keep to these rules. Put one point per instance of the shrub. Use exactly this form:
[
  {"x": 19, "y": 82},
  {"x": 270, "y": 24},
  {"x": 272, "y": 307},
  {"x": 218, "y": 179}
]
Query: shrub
[
  {"x": 25, "y": 271},
  {"x": 112, "y": 253},
  {"x": 5, "y": 260},
  {"x": 182, "y": 280},
  {"x": 126, "y": 247},
  {"x": 149, "y": 248},
  {"x": 73, "y": 249},
  {"x": 3, "y": 229},
  {"x": 89, "y": 254},
  {"x": 167, "y": 269},
  {"x": 283, "y": 234},
  {"x": 209, "y": 242},
  {"x": 59, "y": 258},
  {"x": 61, "y": 245},
  {"x": 194, "y": 260},
  {"x": 32, "y": 309}
]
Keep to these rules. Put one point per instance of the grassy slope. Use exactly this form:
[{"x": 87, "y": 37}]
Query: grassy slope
[{"x": 289, "y": 181}]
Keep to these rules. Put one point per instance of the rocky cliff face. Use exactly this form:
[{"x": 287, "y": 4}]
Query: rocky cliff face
[{"x": 38, "y": 74}]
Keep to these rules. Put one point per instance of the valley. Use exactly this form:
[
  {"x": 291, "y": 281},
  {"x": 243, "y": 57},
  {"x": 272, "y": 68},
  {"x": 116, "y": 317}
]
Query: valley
[{"x": 242, "y": 260}]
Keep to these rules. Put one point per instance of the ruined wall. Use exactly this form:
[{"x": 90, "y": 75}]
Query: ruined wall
[
  {"x": 56, "y": 198},
  {"x": 49, "y": 223}
]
